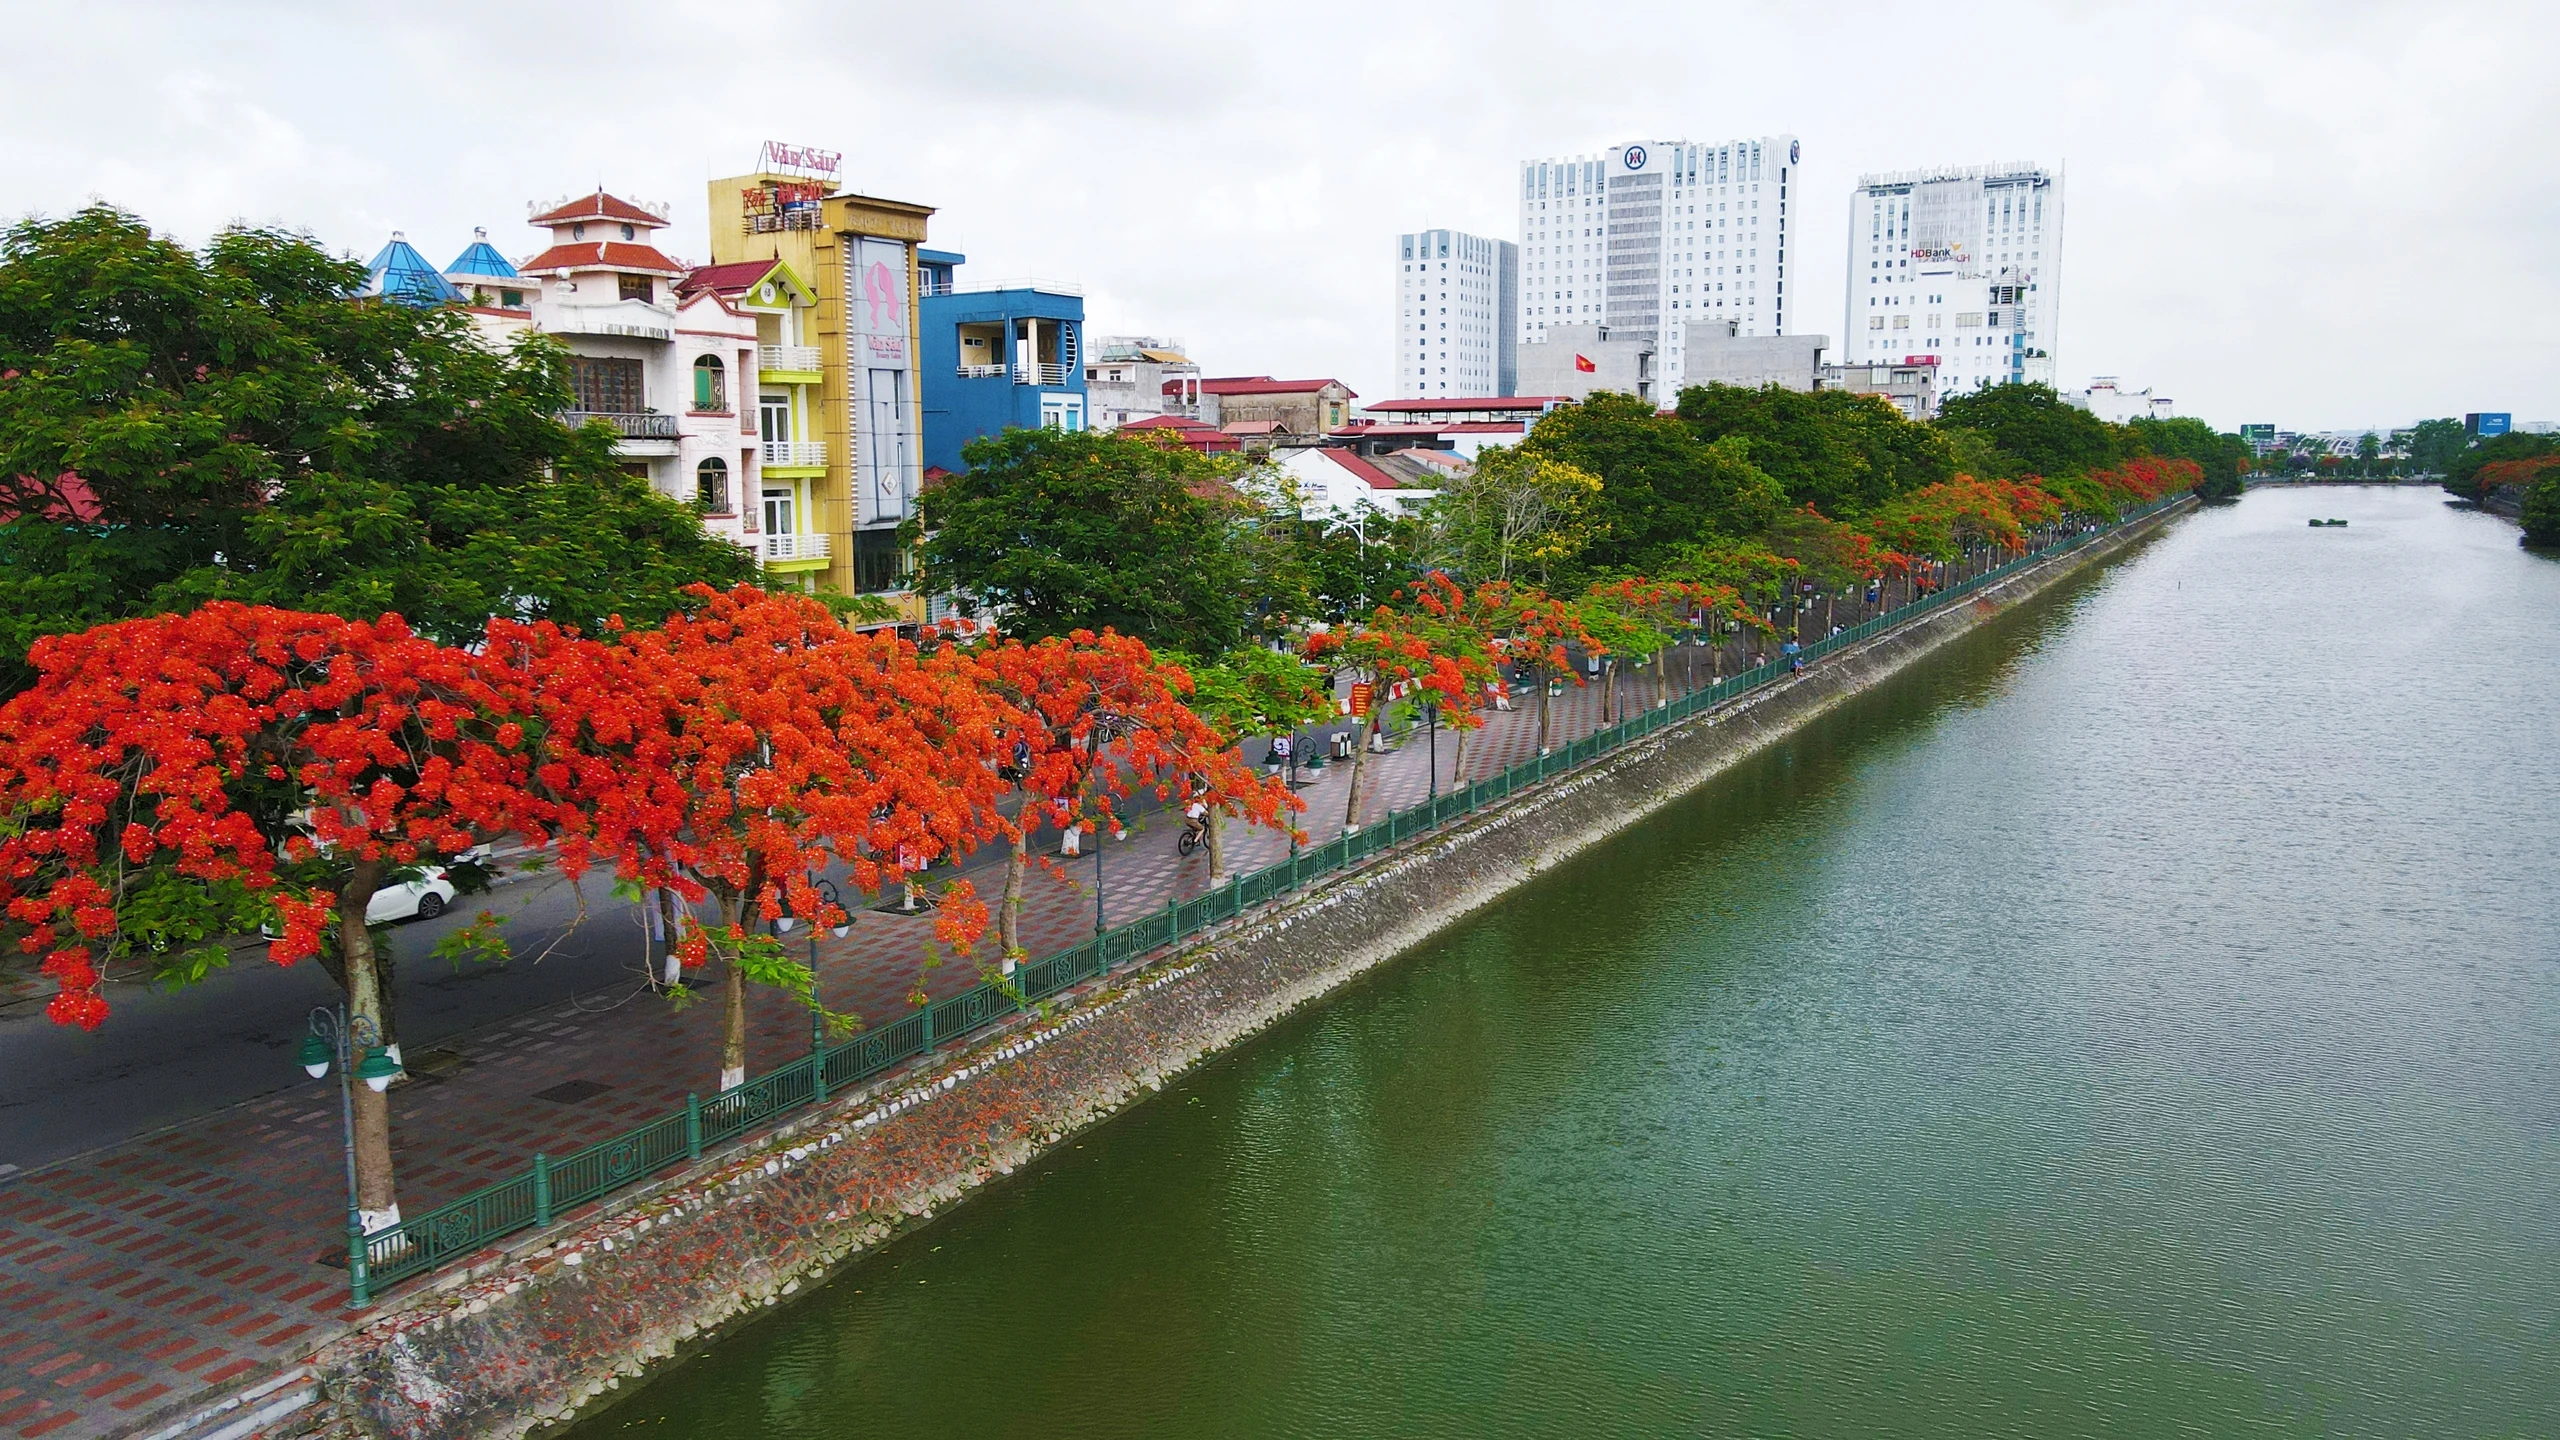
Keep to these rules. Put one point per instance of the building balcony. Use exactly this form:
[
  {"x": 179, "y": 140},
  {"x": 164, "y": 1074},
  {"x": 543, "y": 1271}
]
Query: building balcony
[
  {"x": 786, "y": 549},
  {"x": 644, "y": 425},
  {"x": 981, "y": 372},
  {"x": 788, "y": 359},
  {"x": 626, "y": 321},
  {"x": 809, "y": 454},
  {"x": 1030, "y": 374}
]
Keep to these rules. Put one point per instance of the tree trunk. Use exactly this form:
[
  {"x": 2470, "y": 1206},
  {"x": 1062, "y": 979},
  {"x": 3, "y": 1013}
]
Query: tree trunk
[
  {"x": 377, "y": 1202},
  {"x": 1458, "y": 763},
  {"x": 670, "y": 971},
  {"x": 386, "y": 972},
  {"x": 733, "y": 1017},
  {"x": 1359, "y": 768},
  {"x": 1217, "y": 842},
  {"x": 1542, "y": 710},
  {"x": 1010, "y": 923}
]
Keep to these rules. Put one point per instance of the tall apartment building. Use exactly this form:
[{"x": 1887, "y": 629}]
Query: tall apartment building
[
  {"x": 849, "y": 390},
  {"x": 1962, "y": 266},
  {"x": 1644, "y": 239},
  {"x": 1458, "y": 314}
]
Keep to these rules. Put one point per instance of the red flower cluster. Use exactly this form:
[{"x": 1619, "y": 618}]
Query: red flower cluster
[{"x": 739, "y": 750}]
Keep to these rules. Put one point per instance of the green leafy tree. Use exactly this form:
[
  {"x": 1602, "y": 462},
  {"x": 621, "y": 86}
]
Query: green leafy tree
[
  {"x": 2462, "y": 472},
  {"x": 2541, "y": 514},
  {"x": 1661, "y": 487},
  {"x": 2032, "y": 427},
  {"x": 1056, "y": 531},
  {"x": 2224, "y": 458},
  {"x": 180, "y": 426},
  {"x": 1516, "y": 514},
  {"x": 2434, "y": 445},
  {"x": 1840, "y": 452},
  {"x": 1253, "y": 691}
]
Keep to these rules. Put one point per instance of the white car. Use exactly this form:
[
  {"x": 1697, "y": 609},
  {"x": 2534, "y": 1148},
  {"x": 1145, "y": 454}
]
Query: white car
[{"x": 421, "y": 899}]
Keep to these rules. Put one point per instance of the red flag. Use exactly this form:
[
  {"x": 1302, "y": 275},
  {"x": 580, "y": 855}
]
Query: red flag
[{"x": 1583, "y": 363}]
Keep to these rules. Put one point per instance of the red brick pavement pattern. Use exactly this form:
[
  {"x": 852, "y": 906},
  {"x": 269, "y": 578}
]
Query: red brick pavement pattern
[{"x": 132, "y": 1277}]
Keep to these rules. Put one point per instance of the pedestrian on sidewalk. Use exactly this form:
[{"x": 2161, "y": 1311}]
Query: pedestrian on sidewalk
[
  {"x": 1278, "y": 759},
  {"x": 1501, "y": 694}
]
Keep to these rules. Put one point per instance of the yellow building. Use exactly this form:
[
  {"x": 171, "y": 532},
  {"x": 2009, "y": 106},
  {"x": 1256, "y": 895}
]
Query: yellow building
[{"x": 847, "y": 391}]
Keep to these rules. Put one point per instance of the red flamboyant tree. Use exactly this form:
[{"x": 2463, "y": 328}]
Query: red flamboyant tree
[
  {"x": 180, "y": 777},
  {"x": 792, "y": 745},
  {"x": 1459, "y": 626},
  {"x": 1380, "y": 649},
  {"x": 1533, "y": 631},
  {"x": 1093, "y": 718}
]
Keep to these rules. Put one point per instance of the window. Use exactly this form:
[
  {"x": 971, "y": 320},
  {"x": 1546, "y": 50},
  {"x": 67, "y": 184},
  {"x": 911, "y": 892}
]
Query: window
[
  {"x": 512, "y": 299},
  {"x": 777, "y": 512},
  {"x": 638, "y": 287},
  {"x": 711, "y": 486},
  {"x": 710, "y": 384},
  {"x": 878, "y": 563},
  {"x": 610, "y": 387}
]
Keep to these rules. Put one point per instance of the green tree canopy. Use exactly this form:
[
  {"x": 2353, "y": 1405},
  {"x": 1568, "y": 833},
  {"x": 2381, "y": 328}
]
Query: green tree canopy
[
  {"x": 1662, "y": 488},
  {"x": 2462, "y": 468},
  {"x": 2223, "y": 457},
  {"x": 2032, "y": 427},
  {"x": 2541, "y": 513},
  {"x": 179, "y": 426},
  {"x": 1842, "y": 453},
  {"x": 1059, "y": 531},
  {"x": 2433, "y": 445}
]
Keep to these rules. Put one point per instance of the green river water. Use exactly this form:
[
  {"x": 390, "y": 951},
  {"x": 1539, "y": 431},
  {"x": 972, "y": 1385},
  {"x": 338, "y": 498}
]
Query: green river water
[{"x": 2144, "y": 1019}]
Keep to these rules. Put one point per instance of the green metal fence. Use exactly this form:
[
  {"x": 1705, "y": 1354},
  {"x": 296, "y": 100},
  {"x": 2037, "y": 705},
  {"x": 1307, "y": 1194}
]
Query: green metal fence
[{"x": 450, "y": 1232}]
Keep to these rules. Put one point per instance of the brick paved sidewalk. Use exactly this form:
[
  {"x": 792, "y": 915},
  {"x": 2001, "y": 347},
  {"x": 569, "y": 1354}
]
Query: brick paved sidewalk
[{"x": 155, "y": 1273}]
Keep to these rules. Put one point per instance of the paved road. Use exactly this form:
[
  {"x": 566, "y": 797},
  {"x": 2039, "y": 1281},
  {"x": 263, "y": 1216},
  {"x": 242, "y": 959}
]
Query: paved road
[{"x": 163, "y": 1058}]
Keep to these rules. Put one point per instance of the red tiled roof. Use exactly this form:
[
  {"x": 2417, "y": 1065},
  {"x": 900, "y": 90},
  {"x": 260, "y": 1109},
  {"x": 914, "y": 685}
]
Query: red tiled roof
[
  {"x": 1483, "y": 427},
  {"x": 602, "y": 255},
  {"x": 1472, "y": 402},
  {"x": 1372, "y": 430},
  {"x": 731, "y": 279},
  {"x": 1377, "y": 479},
  {"x": 598, "y": 206},
  {"x": 1203, "y": 438},
  {"x": 1257, "y": 385}
]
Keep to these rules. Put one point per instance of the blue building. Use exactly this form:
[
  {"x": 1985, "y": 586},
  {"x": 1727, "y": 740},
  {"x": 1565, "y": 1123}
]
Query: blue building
[{"x": 1009, "y": 356}]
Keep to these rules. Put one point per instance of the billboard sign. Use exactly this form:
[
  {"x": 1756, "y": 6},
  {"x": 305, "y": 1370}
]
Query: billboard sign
[
  {"x": 2488, "y": 423},
  {"x": 884, "y": 421},
  {"x": 781, "y": 159},
  {"x": 2258, "y": 434}
]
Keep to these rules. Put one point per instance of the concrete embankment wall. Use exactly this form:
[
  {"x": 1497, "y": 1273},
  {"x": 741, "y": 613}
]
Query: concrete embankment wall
[{"x": 558, "y": 1321}]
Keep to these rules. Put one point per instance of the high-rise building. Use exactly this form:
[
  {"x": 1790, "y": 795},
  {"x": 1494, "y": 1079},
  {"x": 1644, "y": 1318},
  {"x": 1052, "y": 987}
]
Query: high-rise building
[
  {"x": 1457, "y": 308},
  {"x": 1962, "y": 266},
  {"x": 1646, "y": 238}
]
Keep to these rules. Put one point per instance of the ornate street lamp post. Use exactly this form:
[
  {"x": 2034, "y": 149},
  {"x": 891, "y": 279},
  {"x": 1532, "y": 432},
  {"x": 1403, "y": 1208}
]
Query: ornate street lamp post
[{"x": 332, "y": 1039}]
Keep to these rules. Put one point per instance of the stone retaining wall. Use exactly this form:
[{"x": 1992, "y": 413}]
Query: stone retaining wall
[{"x": 556, "y": 1322}]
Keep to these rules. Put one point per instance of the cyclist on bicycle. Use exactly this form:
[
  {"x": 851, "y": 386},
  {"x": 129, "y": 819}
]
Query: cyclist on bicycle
[{"x": 1195, "y": 820}]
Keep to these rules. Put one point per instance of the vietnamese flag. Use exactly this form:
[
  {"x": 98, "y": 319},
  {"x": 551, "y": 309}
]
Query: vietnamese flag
[{"x": 1584, "y": 364}]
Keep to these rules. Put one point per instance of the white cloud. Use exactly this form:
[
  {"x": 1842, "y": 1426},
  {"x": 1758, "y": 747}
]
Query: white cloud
[{"x": 2323, "y": 215}]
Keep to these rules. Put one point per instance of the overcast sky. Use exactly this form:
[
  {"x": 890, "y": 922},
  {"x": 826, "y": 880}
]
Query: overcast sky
[{"x": 2322, "y": 215}]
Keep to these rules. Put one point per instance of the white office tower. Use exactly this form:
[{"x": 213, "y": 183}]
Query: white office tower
[
  {"x": 1957, "y": 267},
  {"x": 1458, "y": 299},
  {"x": 1646, "y": 238}
]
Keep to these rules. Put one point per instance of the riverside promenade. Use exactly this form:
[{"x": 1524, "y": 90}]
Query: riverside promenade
[{"x": 141, "y": 1281}]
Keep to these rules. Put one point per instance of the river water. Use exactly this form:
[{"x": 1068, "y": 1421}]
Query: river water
[{"x": 2144, "y": 1020}]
